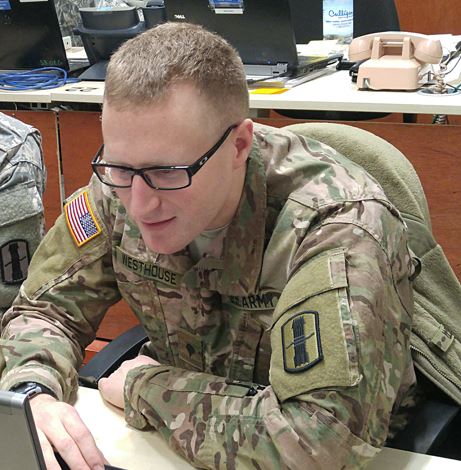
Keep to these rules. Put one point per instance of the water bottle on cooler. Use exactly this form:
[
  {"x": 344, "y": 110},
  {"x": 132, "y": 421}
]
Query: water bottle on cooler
[{"x": 338, "y": 20}]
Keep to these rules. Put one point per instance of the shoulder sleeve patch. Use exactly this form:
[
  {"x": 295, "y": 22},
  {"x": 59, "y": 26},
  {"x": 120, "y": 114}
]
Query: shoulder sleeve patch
[
  {"x": 301, "y": 345},
  {"x": 81, "y": 220}
]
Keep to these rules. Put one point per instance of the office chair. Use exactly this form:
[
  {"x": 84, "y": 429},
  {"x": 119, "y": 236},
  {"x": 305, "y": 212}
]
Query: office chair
[
  {"x": 370, "y": 16},
  {"x": 433, "y": 428}
]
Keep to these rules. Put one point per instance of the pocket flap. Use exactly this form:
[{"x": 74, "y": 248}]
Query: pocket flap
[
  {"x": 330, "y": 273},
  {"x": 18, "y": 203},
  {"x": 181, "y": 380}
]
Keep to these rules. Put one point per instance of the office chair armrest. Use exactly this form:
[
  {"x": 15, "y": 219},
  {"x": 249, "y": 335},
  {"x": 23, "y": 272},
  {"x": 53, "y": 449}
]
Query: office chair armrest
[
  {"x": 124, "y": 347},
  {"x": 428, "y": 429}
]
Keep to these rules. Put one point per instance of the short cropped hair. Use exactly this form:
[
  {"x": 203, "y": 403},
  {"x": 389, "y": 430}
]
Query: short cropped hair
[{"x": 144, "y": 68}]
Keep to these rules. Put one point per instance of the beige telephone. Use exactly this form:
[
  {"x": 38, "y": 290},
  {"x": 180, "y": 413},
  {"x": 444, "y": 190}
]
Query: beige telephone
[{"x": 396, "y": 59}]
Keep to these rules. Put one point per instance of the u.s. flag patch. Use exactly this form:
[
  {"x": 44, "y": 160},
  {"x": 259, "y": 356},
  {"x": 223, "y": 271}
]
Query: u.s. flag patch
[{"x": 80, "y": 219}]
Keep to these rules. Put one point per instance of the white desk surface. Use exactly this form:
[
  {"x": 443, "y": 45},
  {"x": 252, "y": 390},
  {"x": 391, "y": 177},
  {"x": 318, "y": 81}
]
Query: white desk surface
[
  {"x": 330, "y": 92},
  {"x": 32, "y": 96},
  {"x": 337, "y": 92},
  {"x": 136, "y": 450}
]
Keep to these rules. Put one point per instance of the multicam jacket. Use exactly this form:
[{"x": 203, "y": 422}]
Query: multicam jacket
[{"x": 285, "y": 346}]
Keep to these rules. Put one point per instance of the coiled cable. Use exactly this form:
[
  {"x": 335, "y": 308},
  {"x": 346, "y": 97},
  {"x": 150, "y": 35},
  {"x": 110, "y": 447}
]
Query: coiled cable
[{"x": 37, "y": 79}]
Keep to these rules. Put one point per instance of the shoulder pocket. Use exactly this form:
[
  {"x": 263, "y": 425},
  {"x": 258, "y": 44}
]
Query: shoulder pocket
[{"x": 313, "y": 336}]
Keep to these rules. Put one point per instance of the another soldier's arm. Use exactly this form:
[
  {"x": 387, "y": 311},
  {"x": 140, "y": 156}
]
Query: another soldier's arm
[{"x": 340, "y": 353}]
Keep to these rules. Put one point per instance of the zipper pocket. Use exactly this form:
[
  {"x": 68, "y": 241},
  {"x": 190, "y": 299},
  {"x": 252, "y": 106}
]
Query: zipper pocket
[{"x": 428, "y": 358}]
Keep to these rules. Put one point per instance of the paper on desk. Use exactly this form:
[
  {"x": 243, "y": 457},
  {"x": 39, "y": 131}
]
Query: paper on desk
[
  {"x": 322, "y": 48},
  {"x": 448, "y": 41},
  {"x": 281, "y": 84},
  {"x": 268, "y": 91}
]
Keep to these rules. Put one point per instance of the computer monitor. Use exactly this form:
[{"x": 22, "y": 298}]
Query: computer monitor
[
  {"x": 30, "y": 36},
  {"x": 102, "y": 32},
  {"x": 260, "y": 30}
]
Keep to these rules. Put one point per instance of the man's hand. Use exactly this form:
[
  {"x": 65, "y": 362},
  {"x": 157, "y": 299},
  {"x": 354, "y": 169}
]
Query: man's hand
[
  {"x": 59, "y": 426},
  {"x": 111, "y": 388}
]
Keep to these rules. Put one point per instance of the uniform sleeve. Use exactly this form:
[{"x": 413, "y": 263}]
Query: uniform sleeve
[
  {"x": 340, "y": 352},
  {"x": 59, "y": 308}
]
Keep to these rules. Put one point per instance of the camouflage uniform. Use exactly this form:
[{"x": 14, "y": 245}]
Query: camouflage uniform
[
  {"x": 69, "y": 17},
  {"x": 22, "y": 182},
  {"x": 285, "y": 346}
]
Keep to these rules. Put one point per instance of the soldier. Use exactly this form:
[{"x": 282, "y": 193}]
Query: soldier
[
  {"x": 270, "y": 273},
  {"x": 22, "y": 223}
]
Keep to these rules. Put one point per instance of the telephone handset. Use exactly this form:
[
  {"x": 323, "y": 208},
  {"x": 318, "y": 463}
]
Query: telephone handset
[{"x": 395, "y": 59}]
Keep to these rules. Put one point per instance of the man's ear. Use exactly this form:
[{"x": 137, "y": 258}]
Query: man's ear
[{"x": 243, "y": 141}]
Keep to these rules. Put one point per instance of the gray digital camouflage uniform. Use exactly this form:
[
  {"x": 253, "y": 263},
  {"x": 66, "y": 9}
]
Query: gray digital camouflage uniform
[
  {"x": 285, "y": 346},
  {"x": 22, "y": 224}
]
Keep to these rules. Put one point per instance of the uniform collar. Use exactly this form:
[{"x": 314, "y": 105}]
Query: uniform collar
[
  {"x": 237, "y": 271},
  {"x": 244, "y": 243}
]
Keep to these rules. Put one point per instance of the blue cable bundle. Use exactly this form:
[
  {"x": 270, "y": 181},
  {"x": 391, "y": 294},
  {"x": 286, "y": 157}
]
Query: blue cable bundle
[{"x": 38, "y": 79}]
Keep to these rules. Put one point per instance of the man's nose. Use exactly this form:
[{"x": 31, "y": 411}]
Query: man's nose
[{"x": 144, "y": 199}]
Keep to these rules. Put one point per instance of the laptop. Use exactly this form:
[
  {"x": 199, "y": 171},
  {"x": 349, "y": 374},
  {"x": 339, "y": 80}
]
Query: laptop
[
  {"x": 19, "y": 445},
  {"x": 30, "y": 36},
  {"x": 260, "y": 30}
]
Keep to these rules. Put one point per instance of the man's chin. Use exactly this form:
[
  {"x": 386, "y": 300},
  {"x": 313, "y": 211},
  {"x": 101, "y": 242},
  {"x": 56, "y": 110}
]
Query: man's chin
[{"x": 164, "y": 247}]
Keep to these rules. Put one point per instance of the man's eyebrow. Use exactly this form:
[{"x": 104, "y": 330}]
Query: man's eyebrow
[
  {"x": 109, "y": 161},
  {"x": 117, "y": 163}
]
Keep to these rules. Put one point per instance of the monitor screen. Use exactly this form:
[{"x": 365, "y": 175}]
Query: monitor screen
[{"x": 30, "y": 36}]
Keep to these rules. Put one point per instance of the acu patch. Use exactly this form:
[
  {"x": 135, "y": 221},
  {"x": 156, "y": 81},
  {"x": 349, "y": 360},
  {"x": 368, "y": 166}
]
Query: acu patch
[
  {"x": 301, "y": 344},
  {"x": 81, "y": 220},
  {"x": 14, "y": 261}
]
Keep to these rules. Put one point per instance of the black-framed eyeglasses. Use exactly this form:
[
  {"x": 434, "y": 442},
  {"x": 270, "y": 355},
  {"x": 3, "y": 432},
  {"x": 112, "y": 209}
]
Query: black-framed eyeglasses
[{"x": 157, "y": 177}]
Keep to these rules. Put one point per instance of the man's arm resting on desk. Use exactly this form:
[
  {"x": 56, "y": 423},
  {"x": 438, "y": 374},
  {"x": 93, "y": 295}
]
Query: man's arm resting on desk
[{"x": 332, "y": 415}]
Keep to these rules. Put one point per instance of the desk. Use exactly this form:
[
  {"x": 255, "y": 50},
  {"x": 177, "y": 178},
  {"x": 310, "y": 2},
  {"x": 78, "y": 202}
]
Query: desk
[
  {"x": 137, "y": 450},
  {"x": 31, "y": 96},
  {"x": 122, "y": 445},
  {"x": 333, "y": 92}
]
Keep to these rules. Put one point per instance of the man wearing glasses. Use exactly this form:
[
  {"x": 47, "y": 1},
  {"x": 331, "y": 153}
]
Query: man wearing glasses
[{"x": 270, "y": 273}]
